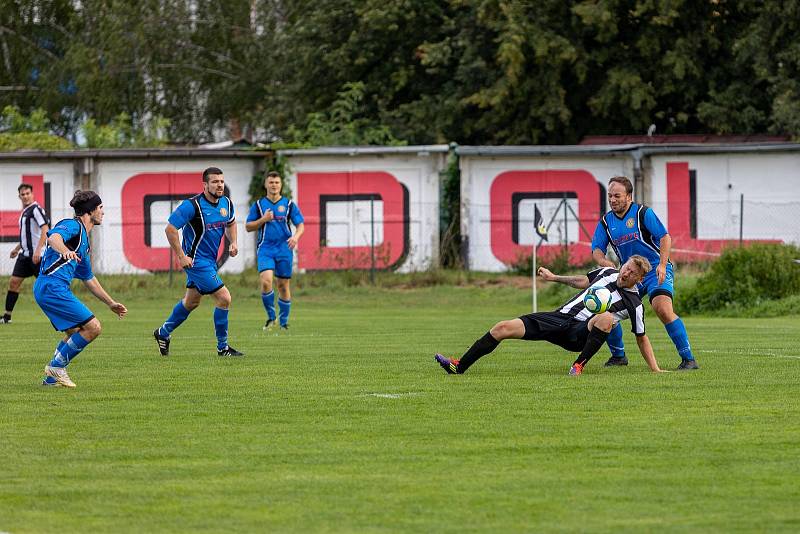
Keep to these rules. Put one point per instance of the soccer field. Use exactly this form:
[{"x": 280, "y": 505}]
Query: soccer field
[{"x": 346, "y": 424}]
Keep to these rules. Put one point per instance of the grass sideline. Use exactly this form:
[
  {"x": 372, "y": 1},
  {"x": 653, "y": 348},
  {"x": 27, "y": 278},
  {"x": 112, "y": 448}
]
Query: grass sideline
[{"x": 346, "y": 424}]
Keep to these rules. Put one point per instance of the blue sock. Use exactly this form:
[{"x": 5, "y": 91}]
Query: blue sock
[
  {"x": 59, "y": 360},
  {"x": 269, "y": 304},
  {"x": 221, "y": 327},
  {"x": 678, "y": 335},
  {"x": 179, "y": 314},
  {"x": 68, "y": 351},
  {"x": 615, "y": 343},
  {"x": 284, "y": 306}
]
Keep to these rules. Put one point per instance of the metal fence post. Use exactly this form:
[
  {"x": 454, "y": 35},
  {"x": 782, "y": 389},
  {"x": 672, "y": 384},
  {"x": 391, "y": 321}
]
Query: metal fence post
[
  {"x": 372, "y": 239},
  {"x": 741, "y": 218}
]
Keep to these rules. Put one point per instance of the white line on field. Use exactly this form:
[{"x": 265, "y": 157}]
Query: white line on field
[{"x": 390, "y": 395}]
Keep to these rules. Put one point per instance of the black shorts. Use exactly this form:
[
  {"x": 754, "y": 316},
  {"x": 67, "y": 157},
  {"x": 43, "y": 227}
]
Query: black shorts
[
  {"x": 25, "y": 268},
  {"x": 556, "y": 328}
]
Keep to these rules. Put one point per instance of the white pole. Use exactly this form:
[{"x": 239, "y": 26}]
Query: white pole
[{"x": 533, "y": 260}]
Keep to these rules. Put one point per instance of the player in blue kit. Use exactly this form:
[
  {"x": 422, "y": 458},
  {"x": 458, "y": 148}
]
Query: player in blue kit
[
  {"x": 271, "y": 215},
  {"x": 630, "y": 229},
  {"x": 204, "y": 220},
  {"x": 66, "y": 257}
]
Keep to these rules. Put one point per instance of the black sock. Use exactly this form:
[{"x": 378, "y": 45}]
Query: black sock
[
  {"x": 482, "y": 347},
  {"x": 593, "y": 343},
  {"x": 11, "y": 301}
]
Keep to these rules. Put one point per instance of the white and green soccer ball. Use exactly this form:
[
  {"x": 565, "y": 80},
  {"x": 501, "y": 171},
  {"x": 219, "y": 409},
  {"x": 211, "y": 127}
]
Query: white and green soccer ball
[{"x": 597, "y": 299}]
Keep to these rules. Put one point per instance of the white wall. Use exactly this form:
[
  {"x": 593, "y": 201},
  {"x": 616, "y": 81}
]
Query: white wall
[
  {"x": 125, "y": 183},
  {"x": 346, "y": 223}
]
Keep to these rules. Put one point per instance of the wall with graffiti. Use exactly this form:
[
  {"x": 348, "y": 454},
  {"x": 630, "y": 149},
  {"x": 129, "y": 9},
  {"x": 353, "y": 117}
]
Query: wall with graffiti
[
  {"x": 379, "y": 207},
  {"x": 53, "y": 186},
  {"x": 707, "y": 201},
  {"x": 368, "y": 210},
  {"x": 140, "y": 195},
  {"x": 499, "y": 196}
]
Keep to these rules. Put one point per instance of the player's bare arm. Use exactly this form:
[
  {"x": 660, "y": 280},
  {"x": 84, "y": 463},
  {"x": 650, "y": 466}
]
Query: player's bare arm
[
  {"x": 97, "y": 290},
  {"x": 175, "y": 242},
  {"x": 600, "y": 258},
  {"x": 232, "y": 234},
  {"x": 578, "y": 282},
  {"x": 37, "y": 252},
  {"x": 292, "y": 241},
  {"x": 15, "y": 251},
  {"x": 56, "y": 242},
  {"x": 646, "y": 349},
  {"x": 663, "y": 257}
]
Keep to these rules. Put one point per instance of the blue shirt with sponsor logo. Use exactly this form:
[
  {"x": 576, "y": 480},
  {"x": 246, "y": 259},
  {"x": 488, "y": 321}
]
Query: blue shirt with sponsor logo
[
  {"x": 275, "y": 233},
  {"x": 203, "y": 225},
  {"x": 639, "y": 231},
  {"x": 54, "y": 268}
]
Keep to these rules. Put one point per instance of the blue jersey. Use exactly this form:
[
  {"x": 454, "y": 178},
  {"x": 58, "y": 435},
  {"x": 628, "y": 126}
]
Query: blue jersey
[
  {"x": 54, "y": 268},
  {"x": 639, "y": 231},
  {"x": 275, "y": 233},
  {"x": 203, "y": 225}
]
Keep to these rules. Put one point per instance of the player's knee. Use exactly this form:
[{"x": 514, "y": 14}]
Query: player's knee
[
  {"x": 92, "y": 329},
  {"x": 604, "y": 322},
  {"x": 283, "y": 291},
  {"x": 190, "y": 304},
  {"x": 501, "y": 330},
  {"x": 222, "y": 298},
  {"x": 14, "y": 284},
  {"x": 665, "y": 314}
]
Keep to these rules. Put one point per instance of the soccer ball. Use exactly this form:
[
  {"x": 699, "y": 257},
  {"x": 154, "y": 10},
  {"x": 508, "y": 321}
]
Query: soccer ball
[{"x": 597, "y": 299}]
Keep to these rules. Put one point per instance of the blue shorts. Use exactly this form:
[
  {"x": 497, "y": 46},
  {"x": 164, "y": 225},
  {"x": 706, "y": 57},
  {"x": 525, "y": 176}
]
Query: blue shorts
[
  {"x": 279, "y": 261},
  {"x": 204, "y": 279},
  {"x": 58, "y": 303},
  {"x": 650, "y": 285}
]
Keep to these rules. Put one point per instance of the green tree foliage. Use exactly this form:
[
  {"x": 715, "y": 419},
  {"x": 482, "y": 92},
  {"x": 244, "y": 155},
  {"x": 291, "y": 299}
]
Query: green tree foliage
[
  {"x": 122, "y": 132},
  {"x": 28, "y": 132},
  {"x": 470, "y": 71},
  {"x": 345, "y": 123}
]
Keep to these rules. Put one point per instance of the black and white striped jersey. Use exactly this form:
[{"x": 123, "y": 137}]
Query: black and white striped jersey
[
  {"x": 625, "y": 302},
  {"x": 31, "y": 221}
]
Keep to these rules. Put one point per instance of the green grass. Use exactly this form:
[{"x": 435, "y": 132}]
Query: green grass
[{"x": 347, "y": 425}]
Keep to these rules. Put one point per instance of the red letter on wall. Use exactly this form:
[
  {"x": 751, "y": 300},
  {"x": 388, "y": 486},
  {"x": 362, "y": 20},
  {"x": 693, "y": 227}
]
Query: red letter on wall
[
  {"x": 9, "y": 220},
  {"x": 508, "y": 186},
  {"x": 138, "y": 194},
  {"x": 316, "y": 189}
]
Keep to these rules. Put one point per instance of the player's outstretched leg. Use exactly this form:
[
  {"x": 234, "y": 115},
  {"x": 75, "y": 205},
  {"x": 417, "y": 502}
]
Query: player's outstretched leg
[
  {"x": 480, "y": 348},
  {"x": 617, "y": 347}
]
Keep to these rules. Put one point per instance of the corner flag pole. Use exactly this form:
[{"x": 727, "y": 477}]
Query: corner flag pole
[
  {"x": 540, "y": 232},
  {"x": 533, "y": 273}
]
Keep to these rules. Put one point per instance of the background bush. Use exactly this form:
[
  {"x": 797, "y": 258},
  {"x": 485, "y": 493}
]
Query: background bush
[{"x": 746, "y": 277}]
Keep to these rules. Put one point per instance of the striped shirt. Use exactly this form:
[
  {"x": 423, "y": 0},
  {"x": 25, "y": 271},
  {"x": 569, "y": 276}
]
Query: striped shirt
[
  {"x": 625, "y": 302},
  {"x": 31, "y": 221}
]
